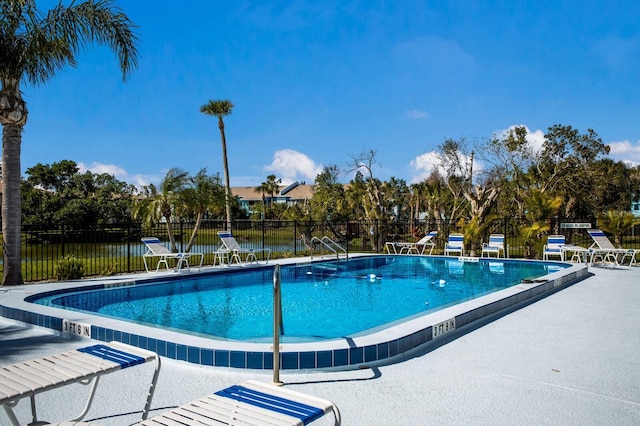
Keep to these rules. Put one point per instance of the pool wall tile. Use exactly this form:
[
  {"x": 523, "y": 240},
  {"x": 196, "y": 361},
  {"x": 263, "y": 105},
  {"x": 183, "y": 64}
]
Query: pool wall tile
[
  {"x": 172, "y": 350},
  {"x": 290, "y": 360},
  {"x": 308, "y": 359},
  {"x": 221, "y": 358},
  {"x": 325, "y": 359},
  {"x": 238, "y": 359},
  {"x": 206, "y": 357},
  {"x": 383, "y": 350},
  {"x": 268, "y": 360},
  {"x": 371, "y": 353},
  {"x": 340, "y": 357},
  {"x": 181, "y": 352},
  {"x": 193, "y": 354},
  {"x": 356, "y": 356},
  {"x": 255, "y": 360},
  {"x": 393, "y": 348}
]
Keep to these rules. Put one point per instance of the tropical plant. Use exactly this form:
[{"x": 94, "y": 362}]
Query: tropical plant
[
  {"x": 473, "y": 230},
  {"x": 270, "y": 187},
  {"x": 221, "y": 109},
  {"x": 617, "y": 223},
  {"x": 69, "y": 268},
  {"x": 158, "y": 204},
  {"x": 33, "y": 47},
  {"x": 531, "y": 238},
  {"x": 205, "y": 193}
]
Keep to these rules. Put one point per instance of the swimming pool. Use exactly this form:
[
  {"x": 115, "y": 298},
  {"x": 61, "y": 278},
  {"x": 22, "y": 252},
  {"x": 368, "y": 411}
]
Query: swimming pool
[
  {"x": 379, "y": 344},
  {"x": 371, "y": 292}
]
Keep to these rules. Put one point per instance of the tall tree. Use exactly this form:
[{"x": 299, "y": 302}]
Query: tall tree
[
  {"x": 222, "y": 109},
  {"x": 58, "y": 194},
  {"x": 271, "y": 186},
  {"x": 33, "y": 47},
  {"x": 163, "y": 202},
  {"x": 204, "y": 193}
]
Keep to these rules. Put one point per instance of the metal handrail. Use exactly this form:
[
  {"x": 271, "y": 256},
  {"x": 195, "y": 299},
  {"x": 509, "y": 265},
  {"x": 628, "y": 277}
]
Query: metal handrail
[{"x": 330, "y": 245}]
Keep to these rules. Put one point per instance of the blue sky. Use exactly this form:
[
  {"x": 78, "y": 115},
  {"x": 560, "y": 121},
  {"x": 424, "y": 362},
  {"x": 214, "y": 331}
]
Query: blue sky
[{"x": 315, "y": 83}]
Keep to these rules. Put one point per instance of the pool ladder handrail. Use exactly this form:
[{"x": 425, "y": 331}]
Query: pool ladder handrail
[{"x": 330, "y": 245}]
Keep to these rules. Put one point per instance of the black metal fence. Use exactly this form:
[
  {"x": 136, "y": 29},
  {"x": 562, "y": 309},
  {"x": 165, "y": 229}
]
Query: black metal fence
[{"x": 117, "y": 249}]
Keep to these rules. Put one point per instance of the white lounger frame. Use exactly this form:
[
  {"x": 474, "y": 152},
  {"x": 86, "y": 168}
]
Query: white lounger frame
[{"x": 83, "y": 365}]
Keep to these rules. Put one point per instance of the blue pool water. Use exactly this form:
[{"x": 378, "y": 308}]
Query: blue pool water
[{"x": 319, "y": 301}]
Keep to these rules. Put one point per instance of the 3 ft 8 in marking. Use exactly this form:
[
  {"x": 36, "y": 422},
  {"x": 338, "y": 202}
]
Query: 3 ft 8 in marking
[{"x": 444, "y": 327}]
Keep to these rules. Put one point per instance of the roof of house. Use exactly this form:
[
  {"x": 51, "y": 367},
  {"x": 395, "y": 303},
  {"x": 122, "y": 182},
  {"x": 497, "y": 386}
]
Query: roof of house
[{"x": 294, "y": 191}]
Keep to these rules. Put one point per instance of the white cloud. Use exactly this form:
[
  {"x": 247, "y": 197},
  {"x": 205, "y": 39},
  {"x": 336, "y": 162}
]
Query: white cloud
[
  {"x": 535, "y": 138},
  {"x": 291, "y": 166},
  {"x": 416, "y": 114},
  {"x": 424, "y": 164},
  {"x": 119, "y": 173},
  {"x": 626, "y": 151}
]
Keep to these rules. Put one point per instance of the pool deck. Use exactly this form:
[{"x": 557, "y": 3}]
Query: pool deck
[{"x": 570, "y": 358}]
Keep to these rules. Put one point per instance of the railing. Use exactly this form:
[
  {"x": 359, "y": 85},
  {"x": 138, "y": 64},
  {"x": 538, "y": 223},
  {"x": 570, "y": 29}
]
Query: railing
[
  {"x": 330, "y": 245},
  {"x": 117, "y": 249}
]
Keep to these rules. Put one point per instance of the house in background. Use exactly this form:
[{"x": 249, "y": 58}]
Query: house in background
[{"x": 290, "y": 195}]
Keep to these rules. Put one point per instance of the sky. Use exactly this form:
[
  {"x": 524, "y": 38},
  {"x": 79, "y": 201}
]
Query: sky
[{"x": 317, "y": 83}]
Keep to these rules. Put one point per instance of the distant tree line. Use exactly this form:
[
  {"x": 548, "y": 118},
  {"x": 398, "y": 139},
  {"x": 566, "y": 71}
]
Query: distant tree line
[{"x": 570, "y": 176}]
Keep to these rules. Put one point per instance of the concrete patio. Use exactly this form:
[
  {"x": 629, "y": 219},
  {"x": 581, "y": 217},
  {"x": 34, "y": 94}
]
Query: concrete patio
[{"x": 571, "y": 358}]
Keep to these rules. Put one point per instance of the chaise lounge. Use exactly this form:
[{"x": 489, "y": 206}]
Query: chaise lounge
[
  {"x": 418, "y": 247},
  {"x": 155, "y": 249},
  {"x": 231, "y": 247},
  {"x": 250, "y": 403},
  {"x": 84, "y": 365}
]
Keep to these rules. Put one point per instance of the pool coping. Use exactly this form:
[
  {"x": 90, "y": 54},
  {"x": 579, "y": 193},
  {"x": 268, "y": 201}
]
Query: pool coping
[{"x": 385, "y": 346}]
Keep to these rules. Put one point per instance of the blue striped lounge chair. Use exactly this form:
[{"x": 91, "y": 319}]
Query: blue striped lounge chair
[
  {"x": 494, "y": 246},
  {"x": 252, "y": 402},
  {"x": 603, "y": 249},
  {"x": 553, "y": 248},
  {"x": 454, "y": 245},
  {"x": 84, "y": 365}
]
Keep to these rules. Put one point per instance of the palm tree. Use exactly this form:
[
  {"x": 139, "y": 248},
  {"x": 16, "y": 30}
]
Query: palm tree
[
  {"x": 221, "y": 109},
  {"x": 204, "y": 194},
  {"x": 163, "y": 202},
  {"x": 617, "y": 223},
  {"x": 33, "y": 46},
  {"x": 263, "y": 188}
]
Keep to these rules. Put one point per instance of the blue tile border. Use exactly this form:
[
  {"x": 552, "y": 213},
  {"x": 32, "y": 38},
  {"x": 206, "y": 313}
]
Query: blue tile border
[{"x": 386, "y": 350}]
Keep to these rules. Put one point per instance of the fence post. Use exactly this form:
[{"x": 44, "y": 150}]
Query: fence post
[
  {"x": 62, "y": 246},
  {"x": 295, "y": 237},
  {"x": 128, "y": 237}
]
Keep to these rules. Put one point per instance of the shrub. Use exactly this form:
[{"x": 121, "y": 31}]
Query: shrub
[{"x": 69, "y": 268}]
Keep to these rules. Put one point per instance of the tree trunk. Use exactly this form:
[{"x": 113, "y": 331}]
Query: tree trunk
[
  {"x": 227, "y": 192},
  {"x": 11, "y": 216},
  {"x": 194, "y": 234}
]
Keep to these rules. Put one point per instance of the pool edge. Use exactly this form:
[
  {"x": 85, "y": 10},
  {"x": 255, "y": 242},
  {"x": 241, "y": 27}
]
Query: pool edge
[{"x": 383, "y": 347}]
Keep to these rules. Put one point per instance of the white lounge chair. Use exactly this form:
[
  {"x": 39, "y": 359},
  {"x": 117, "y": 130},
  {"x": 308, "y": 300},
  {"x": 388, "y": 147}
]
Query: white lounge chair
[
  {"x": 418, "y": 247},
  {"x": 155, "y": 249},
  {"x": 251, "y": 402},
  {"x": 454, "y": 245},
  {"x": 230, "y": 245},
  {"x": 84, "y": 365},
  {"x": 495, "y": 246},
  {"x": 603, "y": 249},
  {"x": 553, "y": 247}
]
